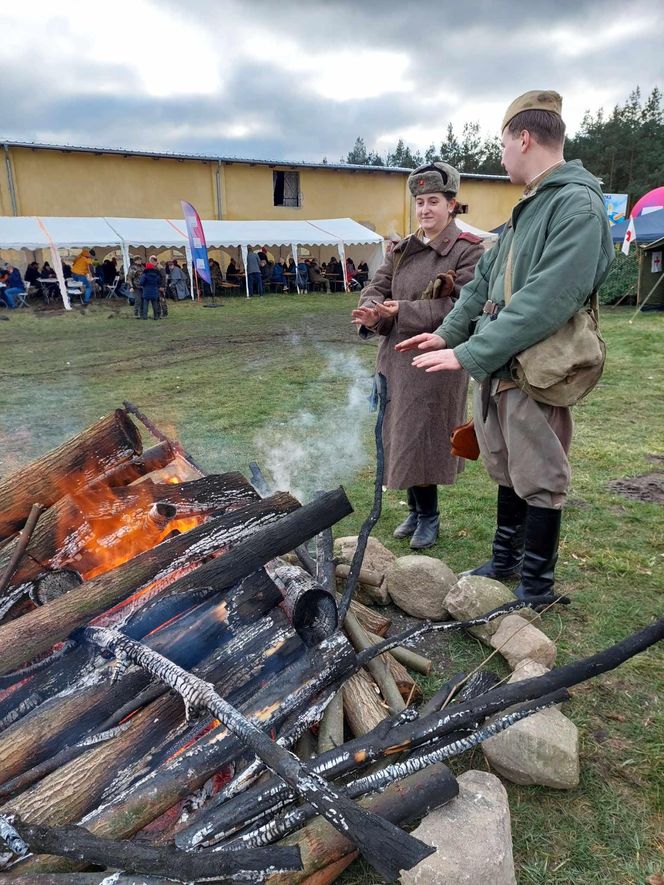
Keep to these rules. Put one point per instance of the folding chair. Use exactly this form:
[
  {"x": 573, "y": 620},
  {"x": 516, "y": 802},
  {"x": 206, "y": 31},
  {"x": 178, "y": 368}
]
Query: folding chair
[{"x": 111, "y": 288}]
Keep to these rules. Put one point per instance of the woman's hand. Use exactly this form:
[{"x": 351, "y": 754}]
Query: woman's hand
[
  {"x": 365, "y": 316},
  {"x": 387, "y": 309},
  {"x": 423, "y": 341}
]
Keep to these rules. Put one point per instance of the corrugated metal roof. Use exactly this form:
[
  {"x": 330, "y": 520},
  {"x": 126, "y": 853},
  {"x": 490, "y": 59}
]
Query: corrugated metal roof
[{"x": 208, "y": 158}]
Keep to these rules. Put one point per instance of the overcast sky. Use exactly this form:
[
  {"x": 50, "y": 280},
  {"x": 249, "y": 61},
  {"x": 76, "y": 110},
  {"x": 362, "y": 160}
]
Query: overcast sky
[{"x": 301, "y": 79}]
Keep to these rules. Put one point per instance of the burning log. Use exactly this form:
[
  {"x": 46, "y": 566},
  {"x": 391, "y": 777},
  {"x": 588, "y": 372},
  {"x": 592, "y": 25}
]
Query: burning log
[
  {"x": 78, "y": 843},
  {"x": 37, "y": 631},
  {"x": 79, "y": 530},
  {"x": 97, "y": 450},
  {"x": 387, "y": 848},
  {"x": 401, "y": 802},
  {"x": 152, "y": 459}
]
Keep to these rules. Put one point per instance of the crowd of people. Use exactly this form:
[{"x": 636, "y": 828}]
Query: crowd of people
[{"x": 263, "y": 274}]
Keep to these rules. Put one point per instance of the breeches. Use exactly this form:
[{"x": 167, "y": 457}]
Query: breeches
[{"x": 524, "y": 445}]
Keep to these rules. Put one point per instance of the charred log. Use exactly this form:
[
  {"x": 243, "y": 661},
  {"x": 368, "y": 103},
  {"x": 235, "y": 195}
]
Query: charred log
[{"x": 103, "y": 446}]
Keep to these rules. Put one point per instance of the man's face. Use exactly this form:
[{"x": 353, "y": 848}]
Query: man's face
[{"x": 512, "y": 157}]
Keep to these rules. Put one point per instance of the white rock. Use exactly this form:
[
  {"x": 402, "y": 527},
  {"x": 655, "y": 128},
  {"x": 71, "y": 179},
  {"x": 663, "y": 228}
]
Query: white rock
[
  {"x": 419, "y": 585},
  {"x": 517, "y": 640},
  {"x": 473, "y": 596},
  {"x": 472, "y": 835}
]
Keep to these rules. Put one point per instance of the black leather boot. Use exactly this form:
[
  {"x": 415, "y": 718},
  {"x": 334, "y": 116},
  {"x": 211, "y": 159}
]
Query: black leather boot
[
  {"x": 408, "y": 526},
  {"x": 541, "y": 555},
  {"x": 507, "y": 550},
  {"x": 428, "y": 518}
]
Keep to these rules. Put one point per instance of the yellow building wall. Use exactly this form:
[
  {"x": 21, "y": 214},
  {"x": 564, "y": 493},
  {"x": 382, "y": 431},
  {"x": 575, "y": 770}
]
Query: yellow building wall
[
  {"x": 49, "y": 182},
  {"x": 58, "y": 183},
  {"x": 368, "y": 197}
]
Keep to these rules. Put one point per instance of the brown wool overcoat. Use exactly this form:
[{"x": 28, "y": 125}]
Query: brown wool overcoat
[{"x": 422, "y": 409}]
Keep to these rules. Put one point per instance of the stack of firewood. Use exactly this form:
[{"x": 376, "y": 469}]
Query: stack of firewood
[{"x": 167, "y": 638}]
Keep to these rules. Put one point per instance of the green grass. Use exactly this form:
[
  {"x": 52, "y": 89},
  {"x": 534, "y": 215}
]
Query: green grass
[{"x": 234, "y": 383}]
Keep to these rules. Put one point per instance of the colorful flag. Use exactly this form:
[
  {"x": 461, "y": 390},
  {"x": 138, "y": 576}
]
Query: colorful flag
[
  {"x": 630, "y": 234},
  {"x": 197, "y": 243}
]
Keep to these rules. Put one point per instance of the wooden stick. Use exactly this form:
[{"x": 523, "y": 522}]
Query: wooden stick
[
  {"x": 374, "y": 515},
  {"x": 406, "y": 656},
  {"x": 386, "y": 847},
  {"x": 331, "y": 730},
  {"x": 22, "y": 542},
  {"x": 376, "y": 666},
  {"x": 77, "y": 842}
]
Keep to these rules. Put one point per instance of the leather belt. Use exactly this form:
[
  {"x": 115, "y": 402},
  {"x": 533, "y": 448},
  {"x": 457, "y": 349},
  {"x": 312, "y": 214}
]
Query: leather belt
[{"x": 492, "y": 308}]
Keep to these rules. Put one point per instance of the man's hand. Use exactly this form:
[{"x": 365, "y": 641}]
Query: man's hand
[
  {"x": 365, "y": 316},
  {"x": 437, "y": 362},
  {"x": 423, "y": 341}
]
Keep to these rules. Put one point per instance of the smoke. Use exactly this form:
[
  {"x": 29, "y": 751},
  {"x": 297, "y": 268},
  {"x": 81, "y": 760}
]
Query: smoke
[{"x": 319, "y": 451}]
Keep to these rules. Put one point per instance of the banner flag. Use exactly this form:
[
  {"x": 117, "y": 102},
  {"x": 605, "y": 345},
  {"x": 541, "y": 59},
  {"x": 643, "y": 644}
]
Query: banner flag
[{"x": 197, "y": 242}]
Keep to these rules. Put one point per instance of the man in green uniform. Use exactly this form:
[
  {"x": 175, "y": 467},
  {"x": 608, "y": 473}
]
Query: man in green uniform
[{"x": 554, "y": 252}]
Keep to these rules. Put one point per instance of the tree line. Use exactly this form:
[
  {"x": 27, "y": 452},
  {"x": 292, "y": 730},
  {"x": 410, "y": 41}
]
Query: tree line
[{"x": 625, "y": 148}]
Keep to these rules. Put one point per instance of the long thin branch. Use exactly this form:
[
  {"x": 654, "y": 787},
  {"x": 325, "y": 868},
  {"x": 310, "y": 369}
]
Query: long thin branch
[
  {"x": 21, "y": 544},
  {"x": 384, "y": 845},
  {"x": 374, "y": 515}
]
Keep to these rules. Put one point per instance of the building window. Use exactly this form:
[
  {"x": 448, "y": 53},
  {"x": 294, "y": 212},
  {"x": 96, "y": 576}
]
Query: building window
[{"x": 286, "y": 188}]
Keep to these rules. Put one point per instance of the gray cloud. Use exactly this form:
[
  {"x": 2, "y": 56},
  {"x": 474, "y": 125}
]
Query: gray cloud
[{"x": 461, "y": 59}]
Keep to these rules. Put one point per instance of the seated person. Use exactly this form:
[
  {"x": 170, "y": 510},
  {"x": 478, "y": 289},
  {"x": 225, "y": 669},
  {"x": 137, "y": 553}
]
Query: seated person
[
  {"x": 232, "y": 273},
  {"x": 362, "y": 273},
  {"x": 318, "y": 281},
  {"x": 11, "y": 277},
  {"x": 266, "y": 272},
  {"x": 303, "y": 275},
  {"x": 47, "y": 272},
  {"x": 31, "y": 274},
  {"x": 278, "y": 282}
]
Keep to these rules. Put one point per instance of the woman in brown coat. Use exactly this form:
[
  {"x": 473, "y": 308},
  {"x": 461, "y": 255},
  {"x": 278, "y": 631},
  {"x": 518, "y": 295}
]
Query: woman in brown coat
[{"x": 412, "y": 292}]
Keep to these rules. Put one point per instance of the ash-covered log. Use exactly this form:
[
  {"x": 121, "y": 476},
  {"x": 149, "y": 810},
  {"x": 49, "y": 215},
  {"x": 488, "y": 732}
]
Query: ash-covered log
[
  {"x": 110, "y": 442},
  {"x": 309, "y": 607}
]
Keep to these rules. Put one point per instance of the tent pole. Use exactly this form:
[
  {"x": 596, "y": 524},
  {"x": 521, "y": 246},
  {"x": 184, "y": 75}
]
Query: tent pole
[{"x": 646, "y": 299}]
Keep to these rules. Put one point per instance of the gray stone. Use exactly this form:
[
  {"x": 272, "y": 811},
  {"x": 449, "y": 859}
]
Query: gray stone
[
  {"x": 517, "y": 640},
  {"x": 419, "y": 585},
  {"x": 472, "y": 835},
  {"x": 542, "y": 749},
  {"x": 377, "y": 558},
  {"x": 473, "y": 596}
]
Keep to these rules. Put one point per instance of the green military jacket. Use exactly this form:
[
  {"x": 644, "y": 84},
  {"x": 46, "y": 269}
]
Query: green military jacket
[{"x": 562, "y": 252}]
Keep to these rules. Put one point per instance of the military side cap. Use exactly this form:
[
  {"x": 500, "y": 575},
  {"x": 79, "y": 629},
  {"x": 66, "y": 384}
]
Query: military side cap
[
  {"x": 535, "y": 100},
  {"x": 434, "y": 178}
]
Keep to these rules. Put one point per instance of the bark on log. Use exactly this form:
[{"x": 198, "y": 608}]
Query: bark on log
[
  {"x": 36, "y": 632},
  {"x": 150, "y": 460},
  {"x": 97, "y": 450},
  {"x": 272, "y": 704},
  {"x": 400, "y": 803},
  {"x": 363, "y": 707},
  {"x": 64, "y": 720},
  {"x": 378, "y": 667},
  {"x": 331, "y": 731},
  {"x": 78, "y": 843},
  {"x": 369, "y": 618},
  {"x": 387, "y": 848}
]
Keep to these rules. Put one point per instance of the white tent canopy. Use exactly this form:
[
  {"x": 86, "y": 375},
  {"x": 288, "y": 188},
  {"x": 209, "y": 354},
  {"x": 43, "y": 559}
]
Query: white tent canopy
[{"x": 60, "y": 232}]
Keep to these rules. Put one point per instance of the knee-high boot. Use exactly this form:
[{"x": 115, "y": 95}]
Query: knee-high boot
[
  {"x": 540, "y": 555},
  {"x": 408, "y": 526},
  {"x": 428, "y": 518},
  {"x": 507, "y": 550}
]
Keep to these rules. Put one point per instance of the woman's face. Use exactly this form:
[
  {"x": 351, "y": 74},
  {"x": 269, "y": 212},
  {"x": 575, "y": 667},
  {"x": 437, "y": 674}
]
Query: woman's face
[{"x": 433, "y": 212}]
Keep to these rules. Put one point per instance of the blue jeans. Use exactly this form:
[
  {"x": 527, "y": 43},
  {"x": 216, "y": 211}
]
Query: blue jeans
[
  {"x": 255, "y": 284},
  {"x": 8, "y": 295},
  {"x": 87, "y": 294}
]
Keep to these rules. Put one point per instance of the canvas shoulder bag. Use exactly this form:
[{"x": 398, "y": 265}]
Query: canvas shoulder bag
[{"x": 562, "y": 369}]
